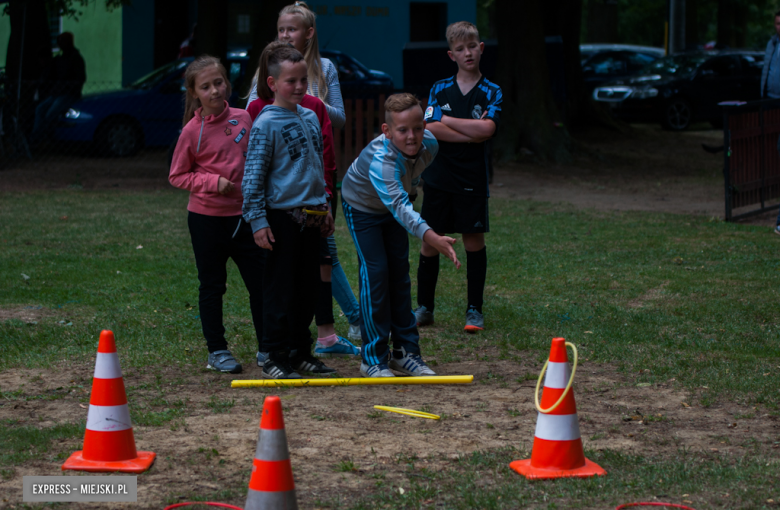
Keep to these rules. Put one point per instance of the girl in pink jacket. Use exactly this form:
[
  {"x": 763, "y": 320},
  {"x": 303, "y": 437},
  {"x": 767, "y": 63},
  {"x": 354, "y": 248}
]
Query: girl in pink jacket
[{"x": 209, "y": 163}]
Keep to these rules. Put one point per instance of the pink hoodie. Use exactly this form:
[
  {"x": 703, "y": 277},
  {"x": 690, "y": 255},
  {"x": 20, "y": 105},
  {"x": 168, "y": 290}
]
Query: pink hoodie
[{"x": 210, "y": 148}]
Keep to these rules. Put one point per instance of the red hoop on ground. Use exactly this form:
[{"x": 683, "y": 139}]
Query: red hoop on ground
[
  {"x": 654, "y": 503},
  {"x": 207, "y": 503}
]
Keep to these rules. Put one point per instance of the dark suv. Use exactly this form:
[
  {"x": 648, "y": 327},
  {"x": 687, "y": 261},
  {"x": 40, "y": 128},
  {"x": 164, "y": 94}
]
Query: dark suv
[{"x": 683, "y": 88}]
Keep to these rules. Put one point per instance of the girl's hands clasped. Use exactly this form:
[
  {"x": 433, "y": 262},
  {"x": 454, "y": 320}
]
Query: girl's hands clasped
[{"x": 225, "y": 187}]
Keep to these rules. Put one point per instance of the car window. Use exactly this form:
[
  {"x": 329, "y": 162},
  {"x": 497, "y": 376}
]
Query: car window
[
  {"x": 348, "y": 71},
  {"x": 159, "y": 75},
  {"x": 720, "y": 67},
  {"x": 607, "y": 63},
  {"x": 751, "y": 65},
  {"x": 676, "y": 65},
  {"x": 637, "y": 61}
]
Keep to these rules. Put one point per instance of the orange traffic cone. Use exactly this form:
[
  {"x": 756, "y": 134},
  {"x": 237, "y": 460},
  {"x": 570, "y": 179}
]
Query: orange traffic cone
[
  {"x": 109, "y": 444},
  {"x": 271, "y": 486},
  {"x": 557, "y": 450}
]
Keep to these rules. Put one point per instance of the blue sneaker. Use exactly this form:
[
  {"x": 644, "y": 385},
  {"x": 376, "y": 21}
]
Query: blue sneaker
[
  {"x": 343, "y": 348},
  {"x": 223, "y": 361}
]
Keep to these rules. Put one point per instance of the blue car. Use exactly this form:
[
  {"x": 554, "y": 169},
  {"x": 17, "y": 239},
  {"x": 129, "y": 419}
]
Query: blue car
[{"x": 148, "y": 113}]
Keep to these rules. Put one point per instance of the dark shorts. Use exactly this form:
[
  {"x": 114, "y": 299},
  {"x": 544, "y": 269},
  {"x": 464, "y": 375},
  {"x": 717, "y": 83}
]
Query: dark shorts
[{"x": 448, "y": 213}]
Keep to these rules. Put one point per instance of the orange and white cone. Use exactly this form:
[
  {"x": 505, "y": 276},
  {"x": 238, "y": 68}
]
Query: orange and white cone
[
  {"x": 271, "y": 486},
  {"x": 109, "y": 444},
  {"x": 557, "y": 450}
]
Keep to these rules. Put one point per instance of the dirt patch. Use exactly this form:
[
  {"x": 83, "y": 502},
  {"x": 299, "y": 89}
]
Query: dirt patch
[
  {"x": 29, "y": 314},
  {"x": 341, "y": 447},
  {"x": 650, "y": 295}
]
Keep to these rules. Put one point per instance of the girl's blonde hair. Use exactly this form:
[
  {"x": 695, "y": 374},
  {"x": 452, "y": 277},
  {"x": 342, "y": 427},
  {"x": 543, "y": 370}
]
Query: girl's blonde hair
[
  {"x": 312, "y": 52},
  {"x": 271, "y": 63},
  {"x": 190, "y": 74}
]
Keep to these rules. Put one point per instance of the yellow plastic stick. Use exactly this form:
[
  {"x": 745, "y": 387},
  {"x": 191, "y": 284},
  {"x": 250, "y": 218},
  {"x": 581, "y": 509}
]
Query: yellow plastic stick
[
  {"x": 409, "y": 412},
  {"x": 356, "y": 381}
]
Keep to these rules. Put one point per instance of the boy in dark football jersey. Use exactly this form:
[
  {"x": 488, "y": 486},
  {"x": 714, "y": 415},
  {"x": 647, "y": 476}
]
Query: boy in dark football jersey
[{"x": 462, "y": 114}]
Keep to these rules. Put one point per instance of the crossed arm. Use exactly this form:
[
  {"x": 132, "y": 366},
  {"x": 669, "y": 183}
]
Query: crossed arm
[{"x": 450, "y": 129}]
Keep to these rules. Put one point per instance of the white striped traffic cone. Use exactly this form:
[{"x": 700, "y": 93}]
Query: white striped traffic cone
[
  {"x": 557, "y": 450},
  {"x": 271, "y": 486},
  {"x": 109, "y": 444}
]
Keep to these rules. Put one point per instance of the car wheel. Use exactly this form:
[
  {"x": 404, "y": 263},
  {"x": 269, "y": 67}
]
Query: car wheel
[
  {"x": 120, "y": 138},
  {"x": 677, "y": 115}
]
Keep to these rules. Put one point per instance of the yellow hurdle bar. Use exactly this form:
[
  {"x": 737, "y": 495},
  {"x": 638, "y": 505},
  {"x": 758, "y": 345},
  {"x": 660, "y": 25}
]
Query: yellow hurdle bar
[{"x": 357, "y": 381}]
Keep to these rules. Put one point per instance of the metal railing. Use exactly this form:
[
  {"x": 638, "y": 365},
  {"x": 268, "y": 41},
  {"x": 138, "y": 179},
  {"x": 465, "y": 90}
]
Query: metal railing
[{"x": 751, "y": 169}]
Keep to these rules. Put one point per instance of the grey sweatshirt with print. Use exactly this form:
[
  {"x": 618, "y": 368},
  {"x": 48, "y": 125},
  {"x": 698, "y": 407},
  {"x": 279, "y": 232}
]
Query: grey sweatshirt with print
[{"x": 284, "y": 168}]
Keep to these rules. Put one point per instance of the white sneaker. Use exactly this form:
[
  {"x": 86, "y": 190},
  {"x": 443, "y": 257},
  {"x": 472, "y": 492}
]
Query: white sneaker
[
  {"x": 375, "y": 370},
  {"x": 354, "y": 332},
  {"x": 409, "y": 364}
]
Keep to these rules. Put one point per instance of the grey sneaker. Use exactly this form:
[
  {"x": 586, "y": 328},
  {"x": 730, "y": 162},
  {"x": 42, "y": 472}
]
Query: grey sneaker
[
  {"x": 354, "y": 332},
  {"x": 261, "y": 358},
  {"x": 409, "y": 364},
  {"x": 423, "y": 316},
  {"x": 475, "y": 321},
  {"x": 223, "y": 361},
  {"x": 375, "y": 370},
  {"x": 777, "y": 229}
]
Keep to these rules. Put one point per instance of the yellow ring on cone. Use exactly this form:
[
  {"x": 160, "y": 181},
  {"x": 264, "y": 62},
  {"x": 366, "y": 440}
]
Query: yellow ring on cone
[
  {"x": 409, "y": 412},
  {"x": 568, "y": 386}
]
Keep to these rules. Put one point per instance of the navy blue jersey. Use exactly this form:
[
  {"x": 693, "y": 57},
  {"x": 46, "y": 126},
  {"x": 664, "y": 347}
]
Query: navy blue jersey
[{"x": 462, "y": 167}]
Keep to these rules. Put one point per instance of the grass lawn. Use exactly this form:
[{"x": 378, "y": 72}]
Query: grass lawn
[{"x": 671, "y": 299}]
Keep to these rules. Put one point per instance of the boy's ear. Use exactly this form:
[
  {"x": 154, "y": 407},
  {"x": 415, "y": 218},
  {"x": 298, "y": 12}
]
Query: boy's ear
[
  {"x": 271, "y": 83},
  {"x": 482, "y": 47},
  {"x": 449, "y": 54},
  {"x": 386, "y": 129}
]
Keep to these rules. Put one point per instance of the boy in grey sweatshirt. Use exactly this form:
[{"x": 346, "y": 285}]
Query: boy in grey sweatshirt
[{"x": 284, "y": 200}]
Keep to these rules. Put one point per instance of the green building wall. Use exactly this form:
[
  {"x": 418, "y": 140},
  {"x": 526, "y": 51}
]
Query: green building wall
[
  {"x": 98, "y": 36},
  {"x": 5, "y": 33}
]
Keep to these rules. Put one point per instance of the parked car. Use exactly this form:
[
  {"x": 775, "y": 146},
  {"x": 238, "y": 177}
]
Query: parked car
[
  {"x": 615, "y": 64},
  {"x": 684, "y": 88},
  {"x": 148, "y": 112},
  {"x": 588, "y": 50},
  {"x": 356, "y": 80}
]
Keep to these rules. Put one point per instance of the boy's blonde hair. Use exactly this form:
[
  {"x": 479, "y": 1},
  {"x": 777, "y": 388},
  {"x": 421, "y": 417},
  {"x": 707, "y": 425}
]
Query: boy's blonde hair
[
  {"x": 399, "y": 103},
  {"x": 461, "y": 30}
]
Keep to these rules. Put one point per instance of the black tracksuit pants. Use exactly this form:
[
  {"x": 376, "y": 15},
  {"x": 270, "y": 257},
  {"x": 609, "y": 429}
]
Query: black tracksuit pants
[{"x": 215, "y": 239}]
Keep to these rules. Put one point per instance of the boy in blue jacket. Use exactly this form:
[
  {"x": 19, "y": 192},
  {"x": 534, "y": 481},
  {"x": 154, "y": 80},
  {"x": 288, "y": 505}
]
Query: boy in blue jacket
[{"x": 375, "y": 193}]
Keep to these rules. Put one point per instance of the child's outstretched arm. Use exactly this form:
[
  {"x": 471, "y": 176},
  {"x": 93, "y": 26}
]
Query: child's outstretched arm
[
  {"x": 443, "y": 245},
  {"x": 258, "y": 157}
]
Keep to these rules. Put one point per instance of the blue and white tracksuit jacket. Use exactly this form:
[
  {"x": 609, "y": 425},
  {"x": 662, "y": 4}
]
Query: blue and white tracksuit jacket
[{"x": 375, "y": 193}]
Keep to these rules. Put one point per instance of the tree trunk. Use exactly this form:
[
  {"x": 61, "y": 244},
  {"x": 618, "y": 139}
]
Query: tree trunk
[
  {"x": 34, "y": 54},
  {"x": 529, "y": 118},
  {"x": 212, "y": 28}
]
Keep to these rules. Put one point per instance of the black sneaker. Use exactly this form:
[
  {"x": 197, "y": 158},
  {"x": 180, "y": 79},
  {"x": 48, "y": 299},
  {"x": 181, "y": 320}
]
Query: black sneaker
[
  {"x": 311, "y": 365},
  {"x": 279, "y": 368}
]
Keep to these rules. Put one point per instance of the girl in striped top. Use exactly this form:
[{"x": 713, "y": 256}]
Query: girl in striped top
[{"x": 297, "y": 26}]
